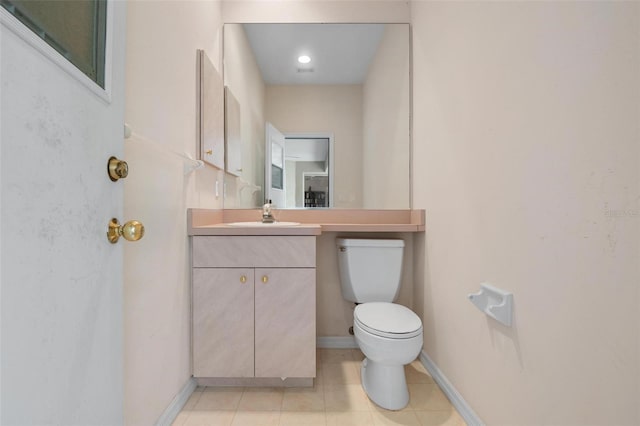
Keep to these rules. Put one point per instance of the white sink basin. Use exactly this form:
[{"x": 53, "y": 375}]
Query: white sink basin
[{"x": 262, "y": 224}]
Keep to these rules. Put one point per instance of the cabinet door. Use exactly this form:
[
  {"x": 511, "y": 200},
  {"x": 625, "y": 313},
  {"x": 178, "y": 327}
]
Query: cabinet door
[
  {"x": 285, "y": 309},
  {"x": 223, "y": 322}
]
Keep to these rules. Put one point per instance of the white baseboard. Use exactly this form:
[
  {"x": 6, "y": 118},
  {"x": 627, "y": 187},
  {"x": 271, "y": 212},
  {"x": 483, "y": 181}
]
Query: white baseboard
[
  {"x": 172, "y": 411},
  {"x": 336, "y": 342},
  {"x": 454, "y": 396}
]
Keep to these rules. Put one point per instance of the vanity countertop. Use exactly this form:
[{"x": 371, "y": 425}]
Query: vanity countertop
[{"x": 312, "y": 222}]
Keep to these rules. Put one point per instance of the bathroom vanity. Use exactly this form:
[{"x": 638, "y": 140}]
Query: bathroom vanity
[
  {"x": 254, "y": 291},
  {"x": 254, "y": 306}
]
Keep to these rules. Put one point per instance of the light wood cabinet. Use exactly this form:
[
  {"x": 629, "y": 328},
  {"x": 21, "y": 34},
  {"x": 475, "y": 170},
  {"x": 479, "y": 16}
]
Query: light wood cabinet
[
  {"x": 285, "y": 318},
  {"x": 254, "y": 307},
  {"x": 223, "y": 322}
]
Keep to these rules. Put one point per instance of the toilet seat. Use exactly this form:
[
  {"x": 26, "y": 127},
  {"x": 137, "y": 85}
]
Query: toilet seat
[{"x": 388, "y": 320}]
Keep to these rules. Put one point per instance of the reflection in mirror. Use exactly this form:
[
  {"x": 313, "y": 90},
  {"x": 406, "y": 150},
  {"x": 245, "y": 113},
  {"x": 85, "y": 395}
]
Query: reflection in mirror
[
  {"x": 351, "y": 97},
  {"x": 274, "y": 166},
  {"x": 309, "y": 175}
]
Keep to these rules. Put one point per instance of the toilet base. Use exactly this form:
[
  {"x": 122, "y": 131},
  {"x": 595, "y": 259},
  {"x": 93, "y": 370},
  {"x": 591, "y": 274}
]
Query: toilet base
[{"x": 385, "y": 385}]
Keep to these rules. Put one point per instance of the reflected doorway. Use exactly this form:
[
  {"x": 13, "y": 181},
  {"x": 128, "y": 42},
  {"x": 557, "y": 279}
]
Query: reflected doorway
[
  {"x": 309, "y": 170},
  {"x": 299, "y": 170}
]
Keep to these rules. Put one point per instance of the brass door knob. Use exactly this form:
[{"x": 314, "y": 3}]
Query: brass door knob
[
  {"x": 243, "y": 279},
  {"x": 130, "y": 231},
  {"x": 265, "y": 279},
  {"x": 117, "y": 169},
  {"x": 209, "y": 152}
]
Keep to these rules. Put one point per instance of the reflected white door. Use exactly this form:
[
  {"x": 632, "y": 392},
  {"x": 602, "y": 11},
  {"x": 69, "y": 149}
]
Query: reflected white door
[
  {"x": 274, "y": 167},
  {"x": 61, "y": 279}
]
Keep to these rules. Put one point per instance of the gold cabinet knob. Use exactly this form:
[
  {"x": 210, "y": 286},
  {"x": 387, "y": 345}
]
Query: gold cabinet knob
[
  {"x": 130, "y": 231},
  {"x": 117, "y": 169},
  {"x": 209, "y": 152},
  {"x": 243, "y": 279},
  {"x": 265, "y": 279}
]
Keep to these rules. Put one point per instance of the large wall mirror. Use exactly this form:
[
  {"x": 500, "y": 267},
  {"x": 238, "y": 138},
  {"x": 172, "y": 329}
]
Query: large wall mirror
[{"x": 324, "y": 115}]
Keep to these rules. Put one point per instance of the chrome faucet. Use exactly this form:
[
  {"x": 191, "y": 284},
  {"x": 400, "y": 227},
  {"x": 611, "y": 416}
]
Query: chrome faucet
[{"x": 267, "y": 216}]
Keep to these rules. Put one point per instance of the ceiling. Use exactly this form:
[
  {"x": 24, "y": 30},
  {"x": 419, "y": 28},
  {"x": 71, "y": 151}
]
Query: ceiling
[{"x": 340, "y": 53}]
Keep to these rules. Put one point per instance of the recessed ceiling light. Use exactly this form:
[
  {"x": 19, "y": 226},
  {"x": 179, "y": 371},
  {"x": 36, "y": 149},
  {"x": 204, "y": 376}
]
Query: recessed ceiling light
[{"x": 304, "y": 59}]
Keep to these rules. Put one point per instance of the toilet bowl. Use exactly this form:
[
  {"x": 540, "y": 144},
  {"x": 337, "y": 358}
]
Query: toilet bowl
[{"x": 390, "y": 336}]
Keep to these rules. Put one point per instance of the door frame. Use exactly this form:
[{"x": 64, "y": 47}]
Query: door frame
[{"x": 270, "y": 129}]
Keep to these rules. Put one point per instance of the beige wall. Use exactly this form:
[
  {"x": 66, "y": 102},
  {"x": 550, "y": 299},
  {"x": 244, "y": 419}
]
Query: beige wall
[
  {"x": 335, "y": 109},
  {"x": 162, "y": 38},
  {"x": 243, "y": 77},
  {"x": 526, "y": 160},
  {"x": 385, "y": 99}
]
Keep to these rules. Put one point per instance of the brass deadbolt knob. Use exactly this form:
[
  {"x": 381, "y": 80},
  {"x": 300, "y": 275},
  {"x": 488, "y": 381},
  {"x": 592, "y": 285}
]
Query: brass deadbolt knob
[{"x": 117, "y": 169}]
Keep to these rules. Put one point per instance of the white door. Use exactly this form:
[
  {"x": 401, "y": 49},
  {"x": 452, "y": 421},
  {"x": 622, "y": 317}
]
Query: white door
[
  {"x": 274, "y": 167},
  {"x": 61, "y": 282}
]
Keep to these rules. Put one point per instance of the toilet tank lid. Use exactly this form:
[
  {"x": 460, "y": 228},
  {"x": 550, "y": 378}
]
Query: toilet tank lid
[{"x": 364, "y": 242}]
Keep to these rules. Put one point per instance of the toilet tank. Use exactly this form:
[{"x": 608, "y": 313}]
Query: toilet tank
[{"x": 370, "y": 270}]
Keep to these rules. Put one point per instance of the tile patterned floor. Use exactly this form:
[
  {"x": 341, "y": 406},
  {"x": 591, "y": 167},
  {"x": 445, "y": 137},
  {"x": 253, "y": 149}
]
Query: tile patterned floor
[{"x": 337, "y": 399}]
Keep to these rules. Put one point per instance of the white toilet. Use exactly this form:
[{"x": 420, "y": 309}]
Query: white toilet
[{"x": 388, "y": 334}]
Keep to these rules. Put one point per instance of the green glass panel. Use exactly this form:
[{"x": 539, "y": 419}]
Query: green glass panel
[{"x": 75, "y": 28}]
